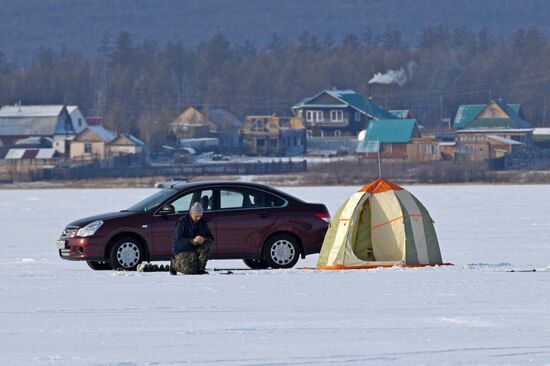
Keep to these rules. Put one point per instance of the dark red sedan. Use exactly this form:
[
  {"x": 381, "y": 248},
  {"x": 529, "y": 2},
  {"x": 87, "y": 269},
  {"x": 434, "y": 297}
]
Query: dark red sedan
[{"x": 261, "y": 225}]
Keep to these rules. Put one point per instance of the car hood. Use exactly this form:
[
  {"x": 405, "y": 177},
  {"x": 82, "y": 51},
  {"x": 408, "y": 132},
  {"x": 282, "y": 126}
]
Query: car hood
[{"x": 103, "y": 217}]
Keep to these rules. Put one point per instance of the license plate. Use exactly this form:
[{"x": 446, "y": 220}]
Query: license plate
[{"x": 61, "y": 244}]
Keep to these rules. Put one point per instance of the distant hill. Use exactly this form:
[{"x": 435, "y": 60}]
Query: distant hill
[{"x": 29, "y": 24}]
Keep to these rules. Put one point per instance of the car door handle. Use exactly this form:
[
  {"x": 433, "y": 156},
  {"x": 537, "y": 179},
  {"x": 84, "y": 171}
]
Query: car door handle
[{"x": 264, "y": 215}]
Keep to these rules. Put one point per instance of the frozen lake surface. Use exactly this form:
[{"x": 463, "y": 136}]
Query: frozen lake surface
[{"x": 477, "y": 312}]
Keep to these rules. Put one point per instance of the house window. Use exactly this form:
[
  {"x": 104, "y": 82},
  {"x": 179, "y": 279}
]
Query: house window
[
  {"x": 337, "y": 133},
  {"x": 357, "y": 116},
  {"x": 87, "y": 148},
  {"x": 314, "y": 116},
  {"x": 309, "y": 116},
  {"x": 319, "y": 117},
  {"x": 309, "y": 133},
  {"x": 337, "y": 116}
]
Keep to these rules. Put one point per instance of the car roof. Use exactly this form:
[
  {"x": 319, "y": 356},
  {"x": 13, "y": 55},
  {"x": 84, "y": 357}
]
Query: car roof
[{"x": 189, "y": 185}]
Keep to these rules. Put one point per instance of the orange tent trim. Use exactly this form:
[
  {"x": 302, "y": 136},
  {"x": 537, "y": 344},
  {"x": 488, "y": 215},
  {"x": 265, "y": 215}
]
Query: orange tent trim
[{"x": 379, "y": 186}]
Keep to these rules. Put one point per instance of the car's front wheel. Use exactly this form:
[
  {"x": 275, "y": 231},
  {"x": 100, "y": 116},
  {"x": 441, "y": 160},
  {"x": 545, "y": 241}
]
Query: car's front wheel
[
  {"x": 99, "y": 266},
  {"x": 126, "y": 254},
  {"x": 256, "y": 263},
  {"x": 282, "y": 251}
]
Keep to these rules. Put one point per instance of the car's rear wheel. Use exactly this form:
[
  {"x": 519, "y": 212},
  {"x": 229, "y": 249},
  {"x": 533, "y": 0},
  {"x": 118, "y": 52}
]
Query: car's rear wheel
[
  {"x": 282, "y": 251},
  {"x": 99, "y": 266},
  {"x": 256, "y": 263},
  {"x": 126, "y": 254}
]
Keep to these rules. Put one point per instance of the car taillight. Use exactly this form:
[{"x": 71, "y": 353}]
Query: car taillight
[{"x": 325, "y": 216}]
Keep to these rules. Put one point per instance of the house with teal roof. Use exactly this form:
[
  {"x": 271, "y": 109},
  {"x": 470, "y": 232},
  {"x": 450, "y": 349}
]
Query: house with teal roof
[
  {"x": 336, "y": 113},
  {"x": 497, "y": 114},
  {"x": 492, "y": 130},
  {"x": 390, "y": 137}
]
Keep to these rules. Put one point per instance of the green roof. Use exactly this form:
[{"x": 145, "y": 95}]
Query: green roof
[
  {"x": 352, "y": 99},
  {"x": 389, "y": 131},
  {"x": 376, "y": 111},
  {"x": 468, "y": 112}
]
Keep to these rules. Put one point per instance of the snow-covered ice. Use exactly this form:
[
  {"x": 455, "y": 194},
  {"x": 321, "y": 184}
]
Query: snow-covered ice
[{"x": 477, "y": 312}]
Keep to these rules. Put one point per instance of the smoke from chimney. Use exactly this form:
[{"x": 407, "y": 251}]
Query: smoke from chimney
[{"x": 400, "y": 77}]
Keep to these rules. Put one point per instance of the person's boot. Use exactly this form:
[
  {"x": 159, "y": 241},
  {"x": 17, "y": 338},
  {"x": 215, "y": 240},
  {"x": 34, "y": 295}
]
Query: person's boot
[{"x": 172, "y": 271}]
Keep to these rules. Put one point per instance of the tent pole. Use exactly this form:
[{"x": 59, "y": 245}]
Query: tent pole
[{"x": 379, "y": 162}]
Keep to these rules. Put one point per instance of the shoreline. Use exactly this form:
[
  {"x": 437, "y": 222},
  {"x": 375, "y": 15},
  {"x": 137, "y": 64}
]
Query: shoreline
[{"x": 297, "y": 180}]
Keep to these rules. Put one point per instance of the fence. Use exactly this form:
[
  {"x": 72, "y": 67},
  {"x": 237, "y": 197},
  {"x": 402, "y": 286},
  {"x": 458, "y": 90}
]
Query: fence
[{"x": 187, "y": 170}]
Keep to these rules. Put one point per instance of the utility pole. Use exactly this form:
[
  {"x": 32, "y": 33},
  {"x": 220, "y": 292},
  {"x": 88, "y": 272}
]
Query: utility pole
[
  {"x": 440, "y": 110},
  {"x": 544, "y": 110}
]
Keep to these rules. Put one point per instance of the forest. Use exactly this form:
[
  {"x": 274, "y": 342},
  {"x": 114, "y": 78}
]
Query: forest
[{"x": 140, "y": 86}]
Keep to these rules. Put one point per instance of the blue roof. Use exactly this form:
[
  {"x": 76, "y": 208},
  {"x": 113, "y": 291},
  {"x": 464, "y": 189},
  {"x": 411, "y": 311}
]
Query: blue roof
[{"x": 103, "y": 133}]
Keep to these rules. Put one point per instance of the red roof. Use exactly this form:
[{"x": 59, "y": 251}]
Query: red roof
[
  {"x": 30, "y": 154},
  {"x": 94, "y": 120}
]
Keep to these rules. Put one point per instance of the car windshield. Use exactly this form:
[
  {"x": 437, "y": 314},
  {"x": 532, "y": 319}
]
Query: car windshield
[{"x": 152, "y": 201}]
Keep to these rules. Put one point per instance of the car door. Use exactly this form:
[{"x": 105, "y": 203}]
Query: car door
[
  {"x": 163, "y": 226},
  {"x": 242, "y": 221}
]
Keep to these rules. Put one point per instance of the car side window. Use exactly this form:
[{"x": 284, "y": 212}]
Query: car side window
[
  {"x": 273, "y": 201},
  {"x": 205, "y": 197},
  {"x": 183, "y": 203},
  {"x": 231, "y": 198}
]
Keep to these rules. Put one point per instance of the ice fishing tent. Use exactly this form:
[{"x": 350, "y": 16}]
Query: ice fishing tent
[{"x": 380, "y": 225}]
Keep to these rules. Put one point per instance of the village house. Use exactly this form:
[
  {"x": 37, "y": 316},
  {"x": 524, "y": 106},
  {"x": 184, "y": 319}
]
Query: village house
[
  {"x": 77, "y": 118},
  {"x": 22, "y": 162},
  {"x": 399, "y": 139},
  {"x": 335, "y": 113},
  {"x": 99, "y": 143},
  {"x": 273, "y": 136},
  {"x": 200, "y": 121},
  {"x": 490, "y": 131},
  {"x": 424, "y": 148},
  {"x": 56, "y": 122}
]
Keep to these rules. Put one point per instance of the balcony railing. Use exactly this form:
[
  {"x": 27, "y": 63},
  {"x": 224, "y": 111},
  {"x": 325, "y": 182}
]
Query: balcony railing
[{"x": 327, "y": 123}]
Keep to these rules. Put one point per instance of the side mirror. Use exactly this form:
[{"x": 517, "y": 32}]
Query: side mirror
[{"x": 167, "y": 210}]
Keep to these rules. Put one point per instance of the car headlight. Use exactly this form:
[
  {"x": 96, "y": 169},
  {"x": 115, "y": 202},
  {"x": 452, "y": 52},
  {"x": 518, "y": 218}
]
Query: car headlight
[{"x": 89, "y": 229}]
